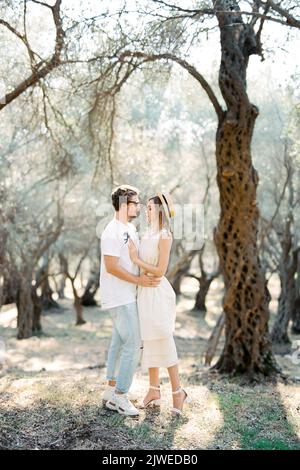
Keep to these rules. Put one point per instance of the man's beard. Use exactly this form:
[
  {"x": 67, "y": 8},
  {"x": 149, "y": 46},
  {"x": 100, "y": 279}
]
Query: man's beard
[{"x": 132, "y": 217}]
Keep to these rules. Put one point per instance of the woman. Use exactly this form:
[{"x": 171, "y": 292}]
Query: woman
[{"x": 157, "y": 305}]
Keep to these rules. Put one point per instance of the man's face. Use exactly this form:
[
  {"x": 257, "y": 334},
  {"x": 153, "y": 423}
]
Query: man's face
[{"x": 133, "y": 207}]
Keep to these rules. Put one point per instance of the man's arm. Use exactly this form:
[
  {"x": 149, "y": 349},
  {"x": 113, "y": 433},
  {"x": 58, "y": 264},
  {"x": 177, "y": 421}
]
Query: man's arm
[{"x": 113, "y": 267}]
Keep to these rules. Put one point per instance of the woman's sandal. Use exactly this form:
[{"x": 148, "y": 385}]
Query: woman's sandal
[
  {"x": 176, "y": 411},
  {"x": 154, "y": 401}
]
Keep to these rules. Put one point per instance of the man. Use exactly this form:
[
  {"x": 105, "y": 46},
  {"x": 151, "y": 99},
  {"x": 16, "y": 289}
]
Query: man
[{"x": 119, "y": 278}]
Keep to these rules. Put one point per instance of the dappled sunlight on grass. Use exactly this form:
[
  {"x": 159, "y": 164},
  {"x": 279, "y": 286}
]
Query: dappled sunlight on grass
[
  {"x": 51, "y": 388},
  {"x": 204, "y": 419},
  {"x": 290, "y": 399},
  {"x": 254, "y": 417}
]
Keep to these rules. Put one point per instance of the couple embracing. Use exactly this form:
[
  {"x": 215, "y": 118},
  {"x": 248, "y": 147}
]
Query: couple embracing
[{"x": 140, "y": 300}]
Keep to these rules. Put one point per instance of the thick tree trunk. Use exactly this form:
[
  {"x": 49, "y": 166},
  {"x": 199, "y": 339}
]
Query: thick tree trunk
[
  {"x": 37, "y": 311},
  {"x": 77, "y": 304},
  {"x": 176, "y": 282},
  {"x": 9, "y": 287},
  {"x": 179, "y": 270},
  {"x": 62, "y": 285},
  {"x": 42, "y": 280},
  {"x": 296, "y": 317},
  {"x": 47, "y": 300},
  {"x": 248, "y": 348},
  {"x": 77, "y": 299},
  {"x": 214, "y": 339},
  {"x": 25, "y": 308},
  {"x": 205, "y": 279},
  {"x": 79, "y": 310},
  {"x": 29, "y": 308},
  {"x": 88, "y": 297},
  {"x": 296, "y": 310},
  {"x": 286, "y": 301},
  {"x": 62, "y": 281},
  {"x": 3, "y": 241},
  {"x": 200, "y": 301},
  {"x": 280, "y": 329}
]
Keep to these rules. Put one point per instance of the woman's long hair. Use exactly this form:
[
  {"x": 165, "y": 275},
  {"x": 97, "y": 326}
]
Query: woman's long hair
[{"x": 164, "y": 221}]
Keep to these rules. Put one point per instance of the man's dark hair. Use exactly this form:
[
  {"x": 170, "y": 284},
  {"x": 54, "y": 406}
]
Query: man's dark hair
[{"x": 122, "y": 194}]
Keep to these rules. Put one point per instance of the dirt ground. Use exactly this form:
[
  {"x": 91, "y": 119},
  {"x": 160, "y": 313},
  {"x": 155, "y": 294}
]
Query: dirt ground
[{"x": 51, "y": 386}]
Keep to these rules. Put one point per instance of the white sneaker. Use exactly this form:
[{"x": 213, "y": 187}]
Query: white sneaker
[
  {"x": 107, "y": 394},
  {"x": 122, "y": 405}
]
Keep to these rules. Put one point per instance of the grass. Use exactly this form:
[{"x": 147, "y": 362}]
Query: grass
[
  {"x": 51, "y": 387},
  {"x": 257, "y": 418}
]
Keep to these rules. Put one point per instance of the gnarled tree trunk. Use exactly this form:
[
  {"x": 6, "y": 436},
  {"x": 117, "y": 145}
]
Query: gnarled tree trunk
[
  {"x": 29, "y": 307},
  {"x": 204, "y": 285},
  {"x": 296, "y": 317},
  {"x": 247, "y": 347},
  {"x": 286, "y": 301},
  {"x": 296, "y": 309},
  {"x": 42, "y": 281},
  {"x": 77, "y": 305},
  {"x": 180, "y": 269},
  {"x": 205, "y": 279},
  {"x": 37, "y": 311},
  {"x": 213, "y": 340},
  {"x": 88, "y": 297},
  {"x": 61, "y": 289},
  {"x": 77, "y": 298},
  {"x": 25, "y": 307},
  {"x": 10, "y": 285}
]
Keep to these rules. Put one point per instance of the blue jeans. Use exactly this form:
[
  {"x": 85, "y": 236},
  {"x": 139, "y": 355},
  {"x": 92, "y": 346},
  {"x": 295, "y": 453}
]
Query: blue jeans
[{"x": 125, "y": 348}]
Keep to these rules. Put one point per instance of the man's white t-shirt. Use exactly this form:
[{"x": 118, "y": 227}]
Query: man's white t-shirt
[{"x": 114, "y": 242}]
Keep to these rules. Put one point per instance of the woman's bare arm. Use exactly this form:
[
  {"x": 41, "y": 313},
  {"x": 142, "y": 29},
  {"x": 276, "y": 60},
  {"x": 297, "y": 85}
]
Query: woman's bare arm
[
  {"x": 164, "y": 249},
  {"x": 113, "y": 267}
]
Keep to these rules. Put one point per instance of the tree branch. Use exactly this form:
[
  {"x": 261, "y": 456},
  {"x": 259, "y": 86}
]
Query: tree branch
[
  {"x": 39, "y": 73},
  {"x": 190, "y": 68},
  {"x": 290, "y": 19},
  {"x": 195, "y": 13}
]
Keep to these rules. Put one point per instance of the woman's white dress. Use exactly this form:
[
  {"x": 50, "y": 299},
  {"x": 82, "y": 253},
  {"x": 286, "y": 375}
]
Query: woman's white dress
[{"x": 157, "y": 311}]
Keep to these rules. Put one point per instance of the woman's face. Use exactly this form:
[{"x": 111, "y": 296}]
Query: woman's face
[{"x": 152, "y": 212}]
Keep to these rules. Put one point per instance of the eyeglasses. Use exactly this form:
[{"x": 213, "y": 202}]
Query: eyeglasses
[{"x": 134, "y": 202}]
